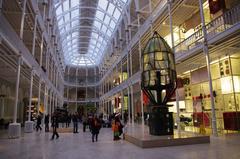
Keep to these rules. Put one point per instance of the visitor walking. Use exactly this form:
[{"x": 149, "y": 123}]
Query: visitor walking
[
  {"x": 75, "y": 122},
  {"x": 96, "y": 126},
  {"x": 55, "y": 125},
  {"x": 39, "y": 121},
  {"x": 46, "y": 122},
  {"x": 68, "y": 118},
  {"x": 84, "y": 119}
]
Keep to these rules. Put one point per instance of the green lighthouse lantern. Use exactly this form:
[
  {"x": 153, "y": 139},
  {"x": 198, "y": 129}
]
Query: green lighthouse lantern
[{"x": 159, "y": 83}]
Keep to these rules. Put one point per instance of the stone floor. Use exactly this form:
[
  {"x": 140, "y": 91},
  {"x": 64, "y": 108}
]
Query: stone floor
[{"x": 79, "y": 146}]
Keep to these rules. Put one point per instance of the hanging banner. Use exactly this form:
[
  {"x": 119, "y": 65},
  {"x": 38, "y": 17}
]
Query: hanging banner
[
  {"x": 145, "y": 98},
  {"x": 117, "y": 101},
  {"x": 216, "y": 5}
]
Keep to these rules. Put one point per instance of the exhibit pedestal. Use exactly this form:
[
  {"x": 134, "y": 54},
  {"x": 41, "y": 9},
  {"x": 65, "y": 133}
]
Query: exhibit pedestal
[
  {"x": 139, "y": 136},
  {"x": 28, "y": 128},
  {"x": 160, "y": 121},
  {"x": 14, "y": 130}
]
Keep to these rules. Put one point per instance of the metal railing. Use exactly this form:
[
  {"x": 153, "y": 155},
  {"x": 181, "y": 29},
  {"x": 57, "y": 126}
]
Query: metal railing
[
  {"x": 190, "y": 42},
  {"x": 82, "y": 82},
  {"x": 81, "y": 100},
  {"x": 216, "y": 26},
  {"x": 224, "y": 22}
]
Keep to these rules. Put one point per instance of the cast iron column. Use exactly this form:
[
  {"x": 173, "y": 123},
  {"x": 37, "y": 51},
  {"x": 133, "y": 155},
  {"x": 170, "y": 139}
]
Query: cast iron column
[
  {"x": 14, "y": 130},
  {"x": 205, "y": 50},
  {"x": 29, "y": 124},
  {"x": 173, "y": 49}
]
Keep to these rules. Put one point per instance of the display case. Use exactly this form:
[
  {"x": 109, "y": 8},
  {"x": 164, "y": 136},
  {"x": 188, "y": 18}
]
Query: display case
[
  {"x": 33, "y": 111},
  {"x": 231, "y": 120}
]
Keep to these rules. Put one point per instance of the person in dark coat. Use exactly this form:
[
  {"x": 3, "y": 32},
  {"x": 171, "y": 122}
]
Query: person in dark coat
[
  {"x": 46, "y": 122},
  {"x": 75, "y": 122},
  {"x": 55, "y": 125},
  {"x": 95, "y": 126},
  {"x": 89, "y": 121},
  {"x": 84, "y": 119},
  {"x": 39, "y": 121},
  {"x": 68, "y": 120}
]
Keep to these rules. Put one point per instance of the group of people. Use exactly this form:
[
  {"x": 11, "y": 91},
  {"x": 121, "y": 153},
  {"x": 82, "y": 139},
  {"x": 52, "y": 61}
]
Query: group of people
[
  {"x": 93, "y": 122},
  {"x": 95, "y": 126},
  {"x": 54, "y": 124},
  {"x": 46, "y": 122}
]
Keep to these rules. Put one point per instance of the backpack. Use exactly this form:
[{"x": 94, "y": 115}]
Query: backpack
[{"x": 97, "y": 124}]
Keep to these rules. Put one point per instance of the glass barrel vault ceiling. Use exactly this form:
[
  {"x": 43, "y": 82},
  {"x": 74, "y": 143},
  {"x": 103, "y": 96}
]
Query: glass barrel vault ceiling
[{"x": 86, "y": 27}]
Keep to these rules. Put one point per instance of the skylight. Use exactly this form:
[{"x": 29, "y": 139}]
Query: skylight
[{"x": 86, "y": 27}]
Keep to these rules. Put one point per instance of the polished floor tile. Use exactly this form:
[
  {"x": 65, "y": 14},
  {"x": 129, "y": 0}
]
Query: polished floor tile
[{"x": 79, "y": 146}]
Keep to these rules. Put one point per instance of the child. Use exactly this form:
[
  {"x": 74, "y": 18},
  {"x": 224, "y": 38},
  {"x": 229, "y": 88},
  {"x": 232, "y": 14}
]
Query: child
[{"x": 115, "y": 129}]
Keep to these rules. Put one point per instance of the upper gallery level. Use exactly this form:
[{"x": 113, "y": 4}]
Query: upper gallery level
[
  {"x": 222, "y": 37},
  {"x": 28, "y": 30}
]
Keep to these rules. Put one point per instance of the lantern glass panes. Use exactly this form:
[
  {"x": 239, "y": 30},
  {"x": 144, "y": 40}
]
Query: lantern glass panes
[
  {"x": 158, "y": 65},
  {"x": 171, "y": 60},
  {"x": 152, "y": 78},
  {"x": 146, "y": 80},
  {"x": 146, "y": 59},
  {"x": 147, "y": 66},
  {"x": 151, "y": 57},
  {"x": 158, "y": 56}
]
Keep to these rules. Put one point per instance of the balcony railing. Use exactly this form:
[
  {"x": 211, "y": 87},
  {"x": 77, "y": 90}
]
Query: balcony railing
[
  {"x": 191, "y": 42},
  {"x": 82, "y": 82},
  {"x": 81, "y": 100},
  {"x": 224, "y": 22},
  {"x": 218, "y": 25}
]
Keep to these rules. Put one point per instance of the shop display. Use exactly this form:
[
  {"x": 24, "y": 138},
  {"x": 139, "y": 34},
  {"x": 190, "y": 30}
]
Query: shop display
[
  {"x": 231, "y": 120},
  {"x": 225, "y": 75},
  {"x": 33, "y": 111},
  {"x": 187, "y": 90},
  {"x": 224, "y": 68},
  {"x": 201, "y": 118}
]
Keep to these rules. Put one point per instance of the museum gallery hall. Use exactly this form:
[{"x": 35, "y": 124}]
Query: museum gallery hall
[{"x": 124, "y": 79}]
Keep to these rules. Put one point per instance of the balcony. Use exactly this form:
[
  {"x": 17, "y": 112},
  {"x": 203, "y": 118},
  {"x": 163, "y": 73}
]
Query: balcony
[
  {"x": 82, "y": 100},
  {"x": 81, "y": 83},
  {"x": 219, "y": 25}
]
